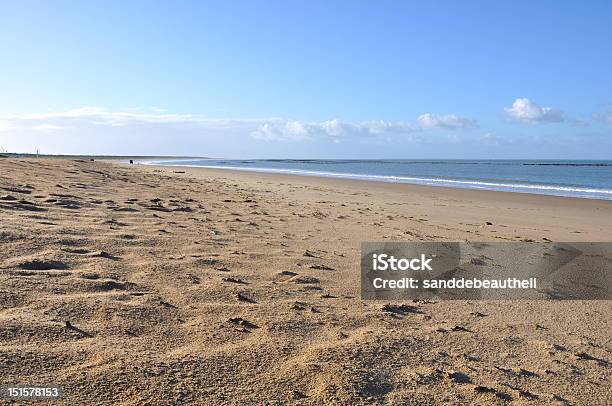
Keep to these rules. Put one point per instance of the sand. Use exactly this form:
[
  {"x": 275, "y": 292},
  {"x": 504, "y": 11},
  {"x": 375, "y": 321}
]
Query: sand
[{"x": 140, "y": 285}]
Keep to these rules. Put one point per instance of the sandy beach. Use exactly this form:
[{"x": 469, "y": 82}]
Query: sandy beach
[{"x": 133, "y": 284}]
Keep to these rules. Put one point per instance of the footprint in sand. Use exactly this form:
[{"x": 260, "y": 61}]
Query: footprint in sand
[
  {"x": 459, "y": 377},
  {"x": 284, "y": 276},
  {"x": 234, "y": 280},
  {"x": 242, "y": 322},
  {"x": 79, "y": 251},
  {"x": 104, "y": 254},
  {"x": 400, "y": 309},
  {"x": 322, "y": 267},
  {"x": 42, "y": 265},
  {"x": 8, "y": 198},
  {"x": 304, "y": 280},
  {"x": 245, "y": 297}
]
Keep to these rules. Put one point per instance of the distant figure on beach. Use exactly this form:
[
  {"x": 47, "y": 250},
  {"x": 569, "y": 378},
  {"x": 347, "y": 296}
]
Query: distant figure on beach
[{"x": 131, "y": 161}]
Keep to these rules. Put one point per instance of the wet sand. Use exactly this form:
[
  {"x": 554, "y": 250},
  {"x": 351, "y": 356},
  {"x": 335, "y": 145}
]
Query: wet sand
[{"x": 134, "y": 284}]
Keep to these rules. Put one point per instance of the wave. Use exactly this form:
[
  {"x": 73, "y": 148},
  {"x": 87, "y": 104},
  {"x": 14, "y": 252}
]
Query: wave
[{"x": 557, "y": 190}]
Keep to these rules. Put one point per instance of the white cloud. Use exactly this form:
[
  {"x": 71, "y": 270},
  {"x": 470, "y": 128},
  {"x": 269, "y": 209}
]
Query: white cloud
[
  {"x": 604, "y": 115},
  {"x": 5, "y": 126},
  {"x": 87, "y": 121},
  {"x": 261, "y": 128},
  {"x": 90, "y": 120},
  {"x": 46, "y": 127},
  {"x": 332, "y": 129},
  {"x": 279, "y": 131},
  {"x": 527, "y": 111},
  {"x": 101, "y": 116},
  {"x": 448, "y": 121},
  {"x": 335, "y": 129}
]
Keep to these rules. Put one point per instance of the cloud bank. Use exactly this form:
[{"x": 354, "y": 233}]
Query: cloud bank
[
  {"x": 526, "y": 111},
  {"x": 263, "y": 129},
  {"x": 281, "y": 130},
  {"x": 94, "y": 130},
  {"x": 449, "y": 121},
  {"x": 337, "y": 129}
]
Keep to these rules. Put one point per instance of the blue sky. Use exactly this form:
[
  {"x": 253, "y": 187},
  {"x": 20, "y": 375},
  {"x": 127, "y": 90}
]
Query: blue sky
[{"x": 389, "y": 79}]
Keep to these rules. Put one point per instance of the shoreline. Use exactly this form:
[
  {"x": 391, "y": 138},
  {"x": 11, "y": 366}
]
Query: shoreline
[
  {"x": 581, "y": 219},
  {"x": 477, "y": 185},
  {"x": 319, "y": 178}
]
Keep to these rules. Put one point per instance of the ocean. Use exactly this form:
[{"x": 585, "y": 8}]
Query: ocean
[{"x": 584, "y": 179}]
